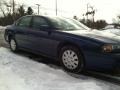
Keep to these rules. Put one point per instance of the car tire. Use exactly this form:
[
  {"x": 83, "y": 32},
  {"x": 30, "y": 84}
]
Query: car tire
[
  {"x": 71, "y": 59},
  {"x": 13, "y": 45}
]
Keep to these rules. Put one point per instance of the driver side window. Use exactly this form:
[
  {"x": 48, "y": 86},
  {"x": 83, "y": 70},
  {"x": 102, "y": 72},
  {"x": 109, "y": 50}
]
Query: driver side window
[{"x": 39, "y": 22}]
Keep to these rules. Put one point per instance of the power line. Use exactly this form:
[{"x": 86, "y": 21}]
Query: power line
[{"x": 90, "y": 12}]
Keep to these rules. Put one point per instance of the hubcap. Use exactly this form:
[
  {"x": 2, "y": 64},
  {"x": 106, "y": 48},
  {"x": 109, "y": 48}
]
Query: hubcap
[
  {"x": 70, "y": 59},
  {"x": 13, "y": 45}
]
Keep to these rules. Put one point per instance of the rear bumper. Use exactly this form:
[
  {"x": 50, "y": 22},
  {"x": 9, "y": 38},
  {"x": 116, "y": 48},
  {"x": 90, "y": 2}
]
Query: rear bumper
[{"x": 101, "y": 61}]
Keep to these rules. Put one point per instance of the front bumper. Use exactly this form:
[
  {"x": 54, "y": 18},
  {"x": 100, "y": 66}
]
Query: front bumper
[
  {"x": 102, "y": 61},
  {"x": 116, "y": 57}
]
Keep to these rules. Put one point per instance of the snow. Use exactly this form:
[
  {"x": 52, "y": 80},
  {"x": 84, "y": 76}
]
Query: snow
[
  {"x": 110, "y": 27},
  {"x": 114, "y": 31},
  {"x": 2, "y": 28},
  {"x": 18, "y": 72}
]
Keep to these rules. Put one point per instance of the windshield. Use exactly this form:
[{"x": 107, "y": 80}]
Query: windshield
[{"x": 67, "y": 24}]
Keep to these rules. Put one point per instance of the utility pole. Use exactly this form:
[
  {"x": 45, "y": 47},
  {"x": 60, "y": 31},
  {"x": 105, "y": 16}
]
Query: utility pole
[
  {"x": 56, "y": 7},
  {"x": 13, "y": 9},
  {"x": 38, "y": 8},
  {"x": 87, "y": 10}
]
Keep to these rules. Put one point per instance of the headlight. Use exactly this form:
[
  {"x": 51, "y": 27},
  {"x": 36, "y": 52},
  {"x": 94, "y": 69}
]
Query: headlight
[{"x": 110, "y": 48}]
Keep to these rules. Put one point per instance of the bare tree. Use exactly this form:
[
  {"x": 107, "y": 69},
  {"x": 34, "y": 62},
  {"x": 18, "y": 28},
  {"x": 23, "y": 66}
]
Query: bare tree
[
  {"x": 2, "y": 7},
  {"x": 7, "y": 6}
]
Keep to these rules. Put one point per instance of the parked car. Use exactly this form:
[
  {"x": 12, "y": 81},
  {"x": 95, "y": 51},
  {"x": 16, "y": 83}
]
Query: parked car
[
  {"x": 112, "y": 28},
  {"x": 73, "y": 44}
]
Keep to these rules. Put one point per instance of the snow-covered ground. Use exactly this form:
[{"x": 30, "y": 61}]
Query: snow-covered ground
[
  {"x": 2, "y": 41},
  {"x": 18, "y": 72},
  {"x": 2, "y": 28}
]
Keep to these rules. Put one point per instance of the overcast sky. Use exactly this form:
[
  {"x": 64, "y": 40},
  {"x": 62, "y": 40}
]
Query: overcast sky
[{"x": 105, "y": 9}]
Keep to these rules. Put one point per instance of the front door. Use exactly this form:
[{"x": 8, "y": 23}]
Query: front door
[{"x": 40, "y": 38}]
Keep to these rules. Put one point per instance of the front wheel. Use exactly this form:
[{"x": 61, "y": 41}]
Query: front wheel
[
  {"x": 71, "y": 59},
  {"x": 13, "y": 45}
]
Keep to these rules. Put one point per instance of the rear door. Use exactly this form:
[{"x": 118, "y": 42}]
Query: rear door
[{"x": 22, "y": 28}]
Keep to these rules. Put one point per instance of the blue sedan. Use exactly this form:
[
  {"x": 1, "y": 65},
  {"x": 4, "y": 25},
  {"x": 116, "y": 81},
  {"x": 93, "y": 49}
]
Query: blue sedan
[{"x": 73, "y": 44}]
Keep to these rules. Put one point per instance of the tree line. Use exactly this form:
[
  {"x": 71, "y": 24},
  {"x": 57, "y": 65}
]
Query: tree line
[
  {"x": 99, "y": 24},
  {"x": 8, "y": 18}
]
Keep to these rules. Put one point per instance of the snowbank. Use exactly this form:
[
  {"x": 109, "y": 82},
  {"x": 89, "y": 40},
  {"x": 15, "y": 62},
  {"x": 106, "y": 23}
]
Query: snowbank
[
  {"x": 114, "y": 31},
  {"x": 2, "y": 28},
  {"x": 21, "y": 73}
]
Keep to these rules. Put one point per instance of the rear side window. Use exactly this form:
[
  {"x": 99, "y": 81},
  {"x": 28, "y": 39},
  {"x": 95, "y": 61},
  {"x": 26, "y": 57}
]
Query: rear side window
[
  {"x": 24, "y": 22},
  {"x": 39, "y": 22}
]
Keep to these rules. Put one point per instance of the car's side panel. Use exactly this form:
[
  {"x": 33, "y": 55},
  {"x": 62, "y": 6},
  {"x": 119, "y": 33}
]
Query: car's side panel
[
  {"x": 41, "y": 41},
  {"x": 21, "y": 36},
  {"x": 94, "y": 58},
  {"x": 60, "y": 38}
]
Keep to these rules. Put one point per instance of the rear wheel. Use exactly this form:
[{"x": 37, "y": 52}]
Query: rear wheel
[
  {"x": 13, "y": 45},
  {"x": 71, "y": 59}
]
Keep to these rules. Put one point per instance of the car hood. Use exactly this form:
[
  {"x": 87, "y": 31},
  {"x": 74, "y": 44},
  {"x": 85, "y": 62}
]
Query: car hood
[
  {"x": 114, "y": 31},
  {"x": 106, "y": 37}
]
